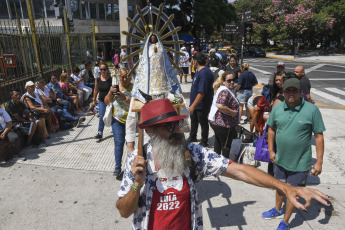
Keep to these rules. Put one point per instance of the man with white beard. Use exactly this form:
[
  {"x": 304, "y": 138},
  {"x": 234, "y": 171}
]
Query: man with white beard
[{"x": 160, "y": 190}]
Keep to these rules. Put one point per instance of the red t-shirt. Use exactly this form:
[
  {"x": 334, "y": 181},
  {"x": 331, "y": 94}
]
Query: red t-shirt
[{"x": 170, "y": 208}]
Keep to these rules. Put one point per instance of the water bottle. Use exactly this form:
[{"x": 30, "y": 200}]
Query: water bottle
[{"x": 254, "y": 142}]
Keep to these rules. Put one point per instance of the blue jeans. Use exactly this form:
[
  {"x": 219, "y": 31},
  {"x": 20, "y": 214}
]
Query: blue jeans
[
  {"x": 119, "y": 133},
  {"x": 101, "y": 110},
  {"x": 65, "y": 104},
  {"x": 66, "y": 115}
]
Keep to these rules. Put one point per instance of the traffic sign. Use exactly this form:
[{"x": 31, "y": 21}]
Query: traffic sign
[
  {"x": 233, "y": 28},
  {"x": 248, "y": 28},
  {"x": 247, "y": 16}
]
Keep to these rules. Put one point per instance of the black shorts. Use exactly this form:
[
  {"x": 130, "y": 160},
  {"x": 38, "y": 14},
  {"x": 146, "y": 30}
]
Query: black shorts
[{"x": 185, "y": 70}]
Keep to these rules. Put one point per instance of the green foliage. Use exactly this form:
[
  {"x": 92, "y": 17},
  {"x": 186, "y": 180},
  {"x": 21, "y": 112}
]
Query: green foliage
[{"x": 198, "y": 17}]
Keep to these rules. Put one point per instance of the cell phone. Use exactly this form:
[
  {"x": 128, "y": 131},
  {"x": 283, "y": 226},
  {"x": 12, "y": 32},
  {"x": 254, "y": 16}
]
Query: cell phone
[{"x": 118, "y": 89}]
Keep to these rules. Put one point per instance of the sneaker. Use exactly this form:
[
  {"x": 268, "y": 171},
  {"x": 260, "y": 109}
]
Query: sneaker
[
  {"x": 80, "y": 120},
  {"x": 283, "y": 226},
  {"x": 273, "y": 213},
  {"x": 191, "y": 139},
  {"x": 117, "y": 171},
  {"x": 98, "y": 136}
]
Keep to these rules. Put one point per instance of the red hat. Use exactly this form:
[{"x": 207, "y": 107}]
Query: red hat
[{"x": 157, "y": 112}]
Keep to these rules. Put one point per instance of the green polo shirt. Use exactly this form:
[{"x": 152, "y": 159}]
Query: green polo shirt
[{"x": 294, "y": 127}]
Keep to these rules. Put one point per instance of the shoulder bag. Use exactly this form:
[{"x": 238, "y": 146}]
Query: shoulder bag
[
  {"x": 108, "y": 115},
  {"x": 261, "y": 152}
]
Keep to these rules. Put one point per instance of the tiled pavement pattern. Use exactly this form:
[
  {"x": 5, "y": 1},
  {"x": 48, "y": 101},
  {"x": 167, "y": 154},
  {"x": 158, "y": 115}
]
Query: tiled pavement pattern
[{"x": 76, "y": 149}]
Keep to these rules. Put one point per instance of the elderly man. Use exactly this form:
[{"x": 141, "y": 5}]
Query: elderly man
[
  {"x": 305, "y": 83},
  {"x": 213, "y": 57},
  {"x": 160, "y": 190},
  {"x": 291, "y": 124}
]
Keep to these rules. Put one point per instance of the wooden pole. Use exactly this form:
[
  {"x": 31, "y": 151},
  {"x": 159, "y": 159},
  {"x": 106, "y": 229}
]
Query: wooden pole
[
  {"x": 33, "y": 34},
  {"x": 140, "y": 138}
]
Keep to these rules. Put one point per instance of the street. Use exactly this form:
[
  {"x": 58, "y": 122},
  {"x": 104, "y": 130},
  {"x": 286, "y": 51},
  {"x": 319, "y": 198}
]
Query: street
[{"x": 327, "y": 79}]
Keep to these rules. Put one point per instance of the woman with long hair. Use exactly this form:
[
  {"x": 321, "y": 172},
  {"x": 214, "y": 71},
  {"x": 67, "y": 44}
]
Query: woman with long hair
[
  {"x": 102, "y": 87},
  {"x": 233, "y": 67},
  {"x": 120, "y": 99},
  {"x": 224, "y": 114}
]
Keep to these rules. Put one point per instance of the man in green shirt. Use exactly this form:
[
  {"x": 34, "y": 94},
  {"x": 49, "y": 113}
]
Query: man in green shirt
[{"x": 291, "y": 125}]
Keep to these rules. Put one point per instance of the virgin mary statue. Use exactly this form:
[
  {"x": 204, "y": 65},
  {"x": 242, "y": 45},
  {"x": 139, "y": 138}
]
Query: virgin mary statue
[{"x": 155, "y": 74}]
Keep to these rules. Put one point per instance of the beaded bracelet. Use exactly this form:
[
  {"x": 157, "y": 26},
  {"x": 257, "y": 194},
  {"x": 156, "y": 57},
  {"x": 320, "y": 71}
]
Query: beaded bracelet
[{"x": 135, "y": 188}]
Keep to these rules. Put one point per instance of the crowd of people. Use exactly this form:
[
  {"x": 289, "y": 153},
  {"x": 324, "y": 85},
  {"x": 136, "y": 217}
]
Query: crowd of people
[{"x": 220, "y": 90}]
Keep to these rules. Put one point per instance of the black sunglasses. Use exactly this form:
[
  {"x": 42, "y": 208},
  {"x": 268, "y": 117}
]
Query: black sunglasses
[
  {"x": 103, "y": 69},
  {"x": 170, "y": 126},
  {"x": 230, "y": 80}
]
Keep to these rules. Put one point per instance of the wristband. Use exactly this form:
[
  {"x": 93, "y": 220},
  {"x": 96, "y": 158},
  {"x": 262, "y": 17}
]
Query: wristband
[{"x": 135, "y": 188}]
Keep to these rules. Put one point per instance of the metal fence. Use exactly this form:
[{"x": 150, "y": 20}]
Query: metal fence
[{"x": 18, "y": 61}]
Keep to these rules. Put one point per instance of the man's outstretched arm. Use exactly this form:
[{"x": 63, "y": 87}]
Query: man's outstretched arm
[{"x": 257, "y": 177}]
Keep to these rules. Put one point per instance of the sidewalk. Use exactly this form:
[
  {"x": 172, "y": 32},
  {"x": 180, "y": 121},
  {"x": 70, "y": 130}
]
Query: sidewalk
[
  {"x": 332, "y": 58},
  {"x": 68, "y": 184}
]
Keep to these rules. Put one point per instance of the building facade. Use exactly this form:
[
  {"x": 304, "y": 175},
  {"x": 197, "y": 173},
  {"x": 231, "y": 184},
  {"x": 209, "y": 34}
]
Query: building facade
[{"x": 109, "y": 15}]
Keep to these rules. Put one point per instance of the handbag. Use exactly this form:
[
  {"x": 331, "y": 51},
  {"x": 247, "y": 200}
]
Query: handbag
[
  {"x": 262, "y": 153},
  {"x": 108, "y": 115},
  {"x": 245, "y": 135},
  {"x": 247, "y": 156}
]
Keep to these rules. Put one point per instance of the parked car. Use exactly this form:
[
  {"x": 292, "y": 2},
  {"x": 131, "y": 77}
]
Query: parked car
[{"x": 256, "y": 52}]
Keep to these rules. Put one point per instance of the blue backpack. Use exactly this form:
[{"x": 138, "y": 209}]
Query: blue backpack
[{"x": 266, "y": 93}]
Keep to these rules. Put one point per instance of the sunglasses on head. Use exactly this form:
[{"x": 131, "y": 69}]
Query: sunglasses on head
[
  {"x": 103, "y": 69},
  {"x": 230, "y": 80}
]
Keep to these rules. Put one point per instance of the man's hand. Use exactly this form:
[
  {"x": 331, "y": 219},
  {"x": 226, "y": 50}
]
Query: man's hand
[
  {"x": 79, "y": 90},
  {"x": 139, "y": 171},
  {"x": 155, "y": 49},
  {"x": 294, "y": 193},
  {"x": 191, "y": 110},
  {"x": 317, "y": 169},
  {"x": 58, "y": 100},
  {"x": 3, "y": 135},
  {"x": 272, "y": 156}
]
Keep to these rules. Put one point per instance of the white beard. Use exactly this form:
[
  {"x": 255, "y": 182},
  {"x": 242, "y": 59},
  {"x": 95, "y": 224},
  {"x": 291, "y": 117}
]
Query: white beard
[{"x": 169, "y": 157}]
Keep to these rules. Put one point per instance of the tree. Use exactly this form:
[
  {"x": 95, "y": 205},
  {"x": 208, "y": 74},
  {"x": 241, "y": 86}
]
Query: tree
[{"x": 198, "y": 17}]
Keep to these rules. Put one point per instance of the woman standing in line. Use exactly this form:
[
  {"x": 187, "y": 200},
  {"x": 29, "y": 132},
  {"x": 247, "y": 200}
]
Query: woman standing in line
[
  {"x": 244, "y": 89},
  {"x": 223, "y": 116},
  {"x": 102, "y": 87},
  {"x": 120, "y": 102}
]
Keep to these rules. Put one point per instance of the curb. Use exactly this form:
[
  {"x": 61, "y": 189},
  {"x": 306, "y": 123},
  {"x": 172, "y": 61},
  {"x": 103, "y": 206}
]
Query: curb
[{"x": 290, "y": 59}]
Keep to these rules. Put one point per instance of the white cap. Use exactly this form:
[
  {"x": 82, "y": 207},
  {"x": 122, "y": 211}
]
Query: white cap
[
  {"x": 183, "y": 48},
  {"x": 220, "y": 73},
  {"x": 29, "y": 83},
  {"x": 212, "y": 50},
  {"x": 280, "y": 64}
]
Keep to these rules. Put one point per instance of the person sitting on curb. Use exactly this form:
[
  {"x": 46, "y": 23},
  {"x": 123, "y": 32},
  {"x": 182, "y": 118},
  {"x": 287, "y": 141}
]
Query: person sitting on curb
[
  {"x": 22, "y": 121},
  {"x": 159, "y": 188},
  {"x": 49, "y": 97}
]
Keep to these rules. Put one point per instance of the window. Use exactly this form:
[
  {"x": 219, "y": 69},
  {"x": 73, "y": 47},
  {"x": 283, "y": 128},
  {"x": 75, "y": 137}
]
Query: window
[
  {"x": 93, "y": 10},
  {"x": 116, "y": 11},
  {"x": 75, "y": 9},
  {"x": 101, "y": 8},
  {"x": 3, "y": 10},
  {"x": 108, "y": 12},
  {"x": 50, "y": 9},
  {"x": 21, "y": 8}
]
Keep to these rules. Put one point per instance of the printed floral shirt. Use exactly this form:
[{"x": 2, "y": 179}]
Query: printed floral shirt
[
  {"x": 207, "y": 163},
  {"x": 222, "y": 119}
]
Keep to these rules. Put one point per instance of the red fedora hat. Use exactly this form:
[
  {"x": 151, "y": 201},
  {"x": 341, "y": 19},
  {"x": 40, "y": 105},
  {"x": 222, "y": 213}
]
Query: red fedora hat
[{"x": 157, "y": 112}]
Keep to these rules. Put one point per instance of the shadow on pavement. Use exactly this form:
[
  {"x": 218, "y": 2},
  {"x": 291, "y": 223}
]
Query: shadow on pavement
[
  {"x": 313, "y": 212},
  {"x": 227, "y": 215}
]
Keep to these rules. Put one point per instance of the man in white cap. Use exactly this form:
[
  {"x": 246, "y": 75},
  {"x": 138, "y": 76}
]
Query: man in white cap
[
  {"x": 280, "y": 67},
  {"x": 214, "y": 57},
  {"x": 184, "y": 64}
]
